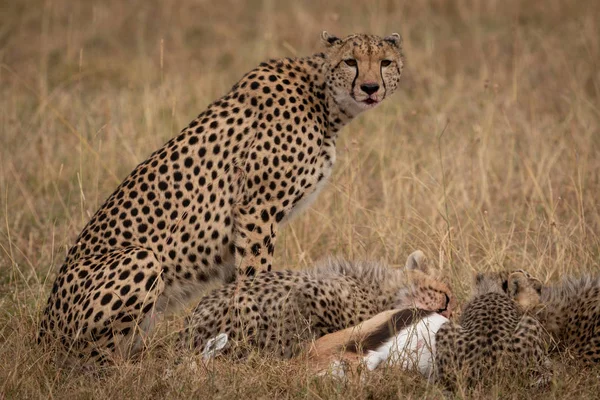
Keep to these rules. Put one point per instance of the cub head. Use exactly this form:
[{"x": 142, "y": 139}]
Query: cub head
[
  {"x": 425, "y": 291},
  {"x": 519, "y": 285},
  {"x": 363, "y": 69}
]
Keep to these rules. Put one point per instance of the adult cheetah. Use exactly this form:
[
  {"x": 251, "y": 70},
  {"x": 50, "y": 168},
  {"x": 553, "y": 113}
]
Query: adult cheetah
[
  {"x": 495, "y": 336},
  {"x": 213, "y": 198},
  {"x": 281, "y": 311}
]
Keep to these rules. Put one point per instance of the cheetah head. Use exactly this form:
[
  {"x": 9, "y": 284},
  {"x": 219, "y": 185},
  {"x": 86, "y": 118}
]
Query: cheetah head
[
  {"x": 425, "y": 291},
  {"x": 363, "y": 69},
  {"x": 519, "y": 285}
]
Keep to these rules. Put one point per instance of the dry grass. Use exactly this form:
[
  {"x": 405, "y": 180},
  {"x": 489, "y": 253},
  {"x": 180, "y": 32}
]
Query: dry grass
[{"x": 89, "y": 89}]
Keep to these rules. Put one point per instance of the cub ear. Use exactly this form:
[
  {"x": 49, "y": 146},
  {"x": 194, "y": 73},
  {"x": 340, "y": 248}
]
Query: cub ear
[
  {"x": 416, "y": 261},
  {"x": 479, "y": 278},
  {"x": 515, "y": 284},
  {"x": 394, "y": 39},
  {"x": 330, "y": 40}
]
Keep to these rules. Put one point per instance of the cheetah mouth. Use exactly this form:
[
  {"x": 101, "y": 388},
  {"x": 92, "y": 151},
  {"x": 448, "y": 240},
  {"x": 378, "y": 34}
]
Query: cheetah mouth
[{"x": 369, "y": 101}]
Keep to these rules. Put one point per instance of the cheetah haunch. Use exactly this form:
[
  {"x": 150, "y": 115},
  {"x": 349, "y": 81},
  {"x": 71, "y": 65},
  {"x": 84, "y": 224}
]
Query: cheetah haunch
[
  {"x": 496, "y": 336},
  {"x": 282, "y": 311},
  {"x": 212, "y": 200}
]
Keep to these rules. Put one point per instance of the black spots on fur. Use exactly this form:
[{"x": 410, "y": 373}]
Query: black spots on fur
[
  {"x": 279, "y": 216},
  {"x": 117, "y": 304},
  {"x": 264, "y": 215},
  {"x": 107, "y": 298},
  {"x": 125, "y": 289},
  {"x": 255, "y": 249},
  {"x": 150, "y": 282},
  {"x": 193, "y": 140},
  {"x": 250, "y": 271},
  {"x": 201, "y": 277},
  {"x": 98, "y": 316},
  {"x": 147, "y": 307},
  {"x": 127, "y": 317},
  {"x": 138, "y": 277},
  {"x": 254, "y": 85},
  {"x": 131, "y": 300}
]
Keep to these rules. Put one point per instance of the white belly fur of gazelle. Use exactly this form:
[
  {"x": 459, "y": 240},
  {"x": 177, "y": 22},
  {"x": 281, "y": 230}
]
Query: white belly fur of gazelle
[
  {"x": 413, "y": 347},
  {"x": 405, "y": 338},
  {"x": 376, "y": 342}
]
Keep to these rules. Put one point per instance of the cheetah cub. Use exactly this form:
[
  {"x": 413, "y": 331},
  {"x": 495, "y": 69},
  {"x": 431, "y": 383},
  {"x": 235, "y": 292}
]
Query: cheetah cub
[
  {"x": 496, "y": 333},
  {"x": 281, "y": 311},
  {"x": 570, "y": 312},
  {"x": 209, "y": 204}
]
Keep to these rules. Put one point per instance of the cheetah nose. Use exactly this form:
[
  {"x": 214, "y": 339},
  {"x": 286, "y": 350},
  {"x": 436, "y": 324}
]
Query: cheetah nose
[{"x": 369, "y": 88}]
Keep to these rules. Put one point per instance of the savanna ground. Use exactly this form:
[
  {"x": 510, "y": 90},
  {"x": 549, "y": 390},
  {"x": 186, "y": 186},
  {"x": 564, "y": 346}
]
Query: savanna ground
[{"x": 89, "y": 89}]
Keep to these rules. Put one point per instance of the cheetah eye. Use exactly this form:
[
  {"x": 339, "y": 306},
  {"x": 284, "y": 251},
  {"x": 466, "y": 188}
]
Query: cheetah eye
[
  {"x": 385, "y": 63},
  {"x": 350, "y": 62}
]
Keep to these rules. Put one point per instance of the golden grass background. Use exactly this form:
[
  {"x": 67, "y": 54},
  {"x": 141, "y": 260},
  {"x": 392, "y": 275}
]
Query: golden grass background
[{"x": 89, "y": 89}]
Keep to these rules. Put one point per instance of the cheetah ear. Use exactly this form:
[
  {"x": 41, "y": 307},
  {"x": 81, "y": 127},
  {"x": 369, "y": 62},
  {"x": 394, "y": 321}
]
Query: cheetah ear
[
  {"x": 513, "y": 286},
  {"x": 416, "y": 261},
  {"x": 394, "y": 39},
  {"x": 479, "y": 278},
  {"x": 330, "y": 40},
  {"x": 537, "y": 286},
  {"x": 515, "y": 283}
]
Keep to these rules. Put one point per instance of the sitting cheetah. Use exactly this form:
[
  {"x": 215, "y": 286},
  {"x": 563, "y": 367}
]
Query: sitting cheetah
[
  {"x": 570, "y": 311},
  {"x": 211, "y": 201},
  {"x": 281, "y": 311},
  {"x": 495, "y": 334}
]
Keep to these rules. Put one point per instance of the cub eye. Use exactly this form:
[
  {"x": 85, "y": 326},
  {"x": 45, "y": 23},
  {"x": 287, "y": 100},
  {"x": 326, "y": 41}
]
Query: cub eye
[
  {"x": 350, "y": 62},
  {"x": 385, "y": 63}
]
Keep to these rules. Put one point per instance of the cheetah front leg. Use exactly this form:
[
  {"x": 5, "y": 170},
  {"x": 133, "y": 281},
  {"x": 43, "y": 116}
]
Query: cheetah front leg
[{"x": 255, "y": 234}]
